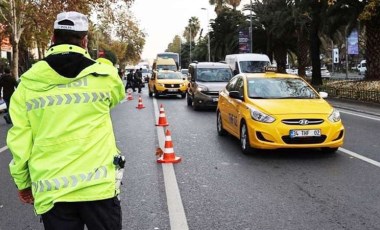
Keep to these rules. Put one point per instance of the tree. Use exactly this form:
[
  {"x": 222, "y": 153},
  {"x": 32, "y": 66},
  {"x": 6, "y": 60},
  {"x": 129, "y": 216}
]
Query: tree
[
  {"x": 175, "y": 45},
  {"x": 19, "y": 15},
  {"x": 225, "y": 31},
  {"x": 192, "y": 29}
]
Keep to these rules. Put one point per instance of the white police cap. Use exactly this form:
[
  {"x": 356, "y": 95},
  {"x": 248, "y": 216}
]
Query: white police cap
[{"x": 80, "y": 21}]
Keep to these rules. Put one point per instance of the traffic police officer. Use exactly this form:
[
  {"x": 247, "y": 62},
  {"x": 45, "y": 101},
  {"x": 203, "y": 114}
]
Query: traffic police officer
[{"x": 62, "y": 140}]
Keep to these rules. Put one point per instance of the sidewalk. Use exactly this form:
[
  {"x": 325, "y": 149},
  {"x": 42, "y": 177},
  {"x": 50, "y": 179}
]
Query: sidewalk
[{"x": 358, "y": 106}]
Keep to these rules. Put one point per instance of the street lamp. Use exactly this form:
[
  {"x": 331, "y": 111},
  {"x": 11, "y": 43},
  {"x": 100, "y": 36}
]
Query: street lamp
[{"x": 208, "y": 35}]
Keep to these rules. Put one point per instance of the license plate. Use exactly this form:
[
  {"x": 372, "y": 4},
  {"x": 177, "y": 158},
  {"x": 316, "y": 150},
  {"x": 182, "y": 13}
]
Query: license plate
[
  {"x": 172, "y": 90},
  {"x": 215, "y": 99},
  {"x": 305, "y": 133}
]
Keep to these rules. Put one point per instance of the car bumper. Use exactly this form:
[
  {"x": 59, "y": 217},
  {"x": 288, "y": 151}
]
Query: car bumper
[
  {"x": 206, "y": 99},
  {"x": 277, "y": 135},
  {"x": 171, "y": 91}
]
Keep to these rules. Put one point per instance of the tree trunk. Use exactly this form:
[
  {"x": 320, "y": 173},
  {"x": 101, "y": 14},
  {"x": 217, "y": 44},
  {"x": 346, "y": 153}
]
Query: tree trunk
[
  {"x": 373, "y": 49},
  {"x": 302, "y": 52},
  {"x": 315, "y": 43},
  {"x": 15, "y": 58},
  {"x": 280, "y": 56}
]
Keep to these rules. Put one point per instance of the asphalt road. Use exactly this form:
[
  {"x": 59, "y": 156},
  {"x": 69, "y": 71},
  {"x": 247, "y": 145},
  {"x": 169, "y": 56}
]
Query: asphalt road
[{"x": 219, "y": 187}]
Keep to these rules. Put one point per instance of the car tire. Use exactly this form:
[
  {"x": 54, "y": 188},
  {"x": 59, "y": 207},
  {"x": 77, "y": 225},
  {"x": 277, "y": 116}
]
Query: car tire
[
  {"x": 156, "y": 94},
  {"x": 150, "y": 93},
  {"x": 183, "y": 95},
  {"x": 193, "y": 104},
  {"x": 189, "y": 101},
  {"x": 329, "y": 150},
  {"x": 244, "y": 139},
  {"x": 219, "y": 125}
]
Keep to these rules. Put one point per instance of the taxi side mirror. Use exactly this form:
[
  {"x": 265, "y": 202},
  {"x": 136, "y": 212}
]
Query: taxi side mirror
[
  {"x": 323, "y": 94},
  {"x": 236, "y": 95}
]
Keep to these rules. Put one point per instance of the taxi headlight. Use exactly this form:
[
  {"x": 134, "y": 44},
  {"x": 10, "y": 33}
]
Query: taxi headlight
[
  {"x": 161, "y": 84},
  {"x": 334, "y": 116},
  {"x": 257, "y": 115}
]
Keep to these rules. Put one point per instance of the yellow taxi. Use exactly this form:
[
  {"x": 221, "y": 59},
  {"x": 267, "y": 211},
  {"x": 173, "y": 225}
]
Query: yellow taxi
[
  {"x": 273, "y": 111},
  {"x": 167, "y": 82}
]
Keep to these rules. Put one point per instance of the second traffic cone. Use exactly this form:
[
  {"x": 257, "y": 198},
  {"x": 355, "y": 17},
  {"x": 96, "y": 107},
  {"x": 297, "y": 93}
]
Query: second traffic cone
[
  {"x": 162, "y": 118},
  {"x": 168, "y": 156},
  {"x": 140, "y": 104},
  {"x": 129, "y": 98}
]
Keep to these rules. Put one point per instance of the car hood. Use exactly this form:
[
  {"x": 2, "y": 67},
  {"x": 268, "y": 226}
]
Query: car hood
[
  {"x": 292, "y": 106},
  {"x": 213, "y": 86}
]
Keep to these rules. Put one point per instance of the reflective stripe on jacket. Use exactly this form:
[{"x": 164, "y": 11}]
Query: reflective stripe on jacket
[{"x": 62, "y": 138}]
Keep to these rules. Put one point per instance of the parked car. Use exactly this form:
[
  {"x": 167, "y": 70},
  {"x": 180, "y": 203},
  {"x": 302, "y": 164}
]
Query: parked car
[
  {"x": 362, "y": 67},
  {"x": 259, "y": 110},
  {"x": 206, "y": 80},
  {"x": 292, "y": 71},
  {"x": 325, "y": 73}
]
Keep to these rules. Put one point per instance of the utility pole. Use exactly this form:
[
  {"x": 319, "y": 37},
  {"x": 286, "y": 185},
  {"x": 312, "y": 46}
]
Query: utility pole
[
  {"x": 250, "y": 27},
  {"x": 190, "y": 41},
  {"x": 208, "y": 35}
]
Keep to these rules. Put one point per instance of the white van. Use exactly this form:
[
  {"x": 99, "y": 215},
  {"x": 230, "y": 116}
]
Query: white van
[
  {"x": 362, "y": 67},
  {"x": 247, "y": 63}
]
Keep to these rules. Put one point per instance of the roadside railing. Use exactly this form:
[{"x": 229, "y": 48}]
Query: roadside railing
[{"x": 352, "y": 94}]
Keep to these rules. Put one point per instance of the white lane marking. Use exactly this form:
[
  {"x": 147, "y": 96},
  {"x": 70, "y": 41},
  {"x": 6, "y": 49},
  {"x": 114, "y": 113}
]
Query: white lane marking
[
  {"x": 360, "y": 115},
  {"x": 363, "y": 158},
  {"x": 2, "y": 149},
  {"x": 177, "y": 215}
]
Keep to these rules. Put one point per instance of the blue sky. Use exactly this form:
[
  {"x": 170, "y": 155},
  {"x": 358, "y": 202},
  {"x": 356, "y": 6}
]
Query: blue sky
[{"x": 161, "y": 20}]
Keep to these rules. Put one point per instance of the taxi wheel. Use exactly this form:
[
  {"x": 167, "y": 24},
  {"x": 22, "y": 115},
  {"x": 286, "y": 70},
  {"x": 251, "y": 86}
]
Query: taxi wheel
[
  {"x": 329, "y": 150},
  {"x": 244, "y": 139},
  {"x": 183, "y": 95},
  {"x": 219, "y": 125},
  {"x": 150, "y": 94},
  {"x": 156, "y": 95},
  {"x": 195, "y": 107}
]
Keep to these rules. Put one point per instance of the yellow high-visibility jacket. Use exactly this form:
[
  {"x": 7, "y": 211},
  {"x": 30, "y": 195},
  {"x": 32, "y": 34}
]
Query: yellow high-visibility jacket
[{"x": 62, "y": 138}]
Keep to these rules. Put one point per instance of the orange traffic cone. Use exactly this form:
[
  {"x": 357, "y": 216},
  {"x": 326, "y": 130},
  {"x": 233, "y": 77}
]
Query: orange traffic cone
[
  {"x": 162, "y": 118},
  {"x": 168, "y": 156},
  {"x": 140, "y": 104},
  {"x": 129, "y": 98}
]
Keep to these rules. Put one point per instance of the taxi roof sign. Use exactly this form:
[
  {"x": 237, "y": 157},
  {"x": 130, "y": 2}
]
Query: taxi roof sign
[{"x": 271, "y": 69}]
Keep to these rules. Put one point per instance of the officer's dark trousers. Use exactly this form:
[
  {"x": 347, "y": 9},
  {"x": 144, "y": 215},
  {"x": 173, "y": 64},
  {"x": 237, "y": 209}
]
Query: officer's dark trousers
[{"x": 96, "y": 215}]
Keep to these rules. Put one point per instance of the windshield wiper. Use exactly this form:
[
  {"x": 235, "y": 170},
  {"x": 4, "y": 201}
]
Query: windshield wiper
[{"x": 258, "y": 97}]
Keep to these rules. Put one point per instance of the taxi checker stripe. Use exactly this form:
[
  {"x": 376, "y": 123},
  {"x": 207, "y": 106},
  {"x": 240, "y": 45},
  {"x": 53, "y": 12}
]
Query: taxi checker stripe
[
  {"x": 75, "y": 98},
  {"x": 64, "y": 182}
]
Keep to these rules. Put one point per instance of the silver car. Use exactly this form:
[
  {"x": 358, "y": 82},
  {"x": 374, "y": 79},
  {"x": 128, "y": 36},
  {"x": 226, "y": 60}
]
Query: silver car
[{"x": 207, "y": 79}]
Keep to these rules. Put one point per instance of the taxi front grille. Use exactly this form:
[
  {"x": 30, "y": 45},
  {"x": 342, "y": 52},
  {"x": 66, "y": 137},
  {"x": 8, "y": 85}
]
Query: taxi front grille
[
  {"x": 303, "y": 121},
  {"x": 304, "y": 140},
  {"x": 171, "y": 85},
  {"x": 211, "y": 93}
]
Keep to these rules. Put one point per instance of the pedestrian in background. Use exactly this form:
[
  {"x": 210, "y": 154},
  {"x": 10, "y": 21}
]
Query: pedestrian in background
[
  {"x": 8, "y": 84},
  {"x": 138, "y": 79},
  {"x": 130, "y": 81},
  {"x": 65, "y": 158}
]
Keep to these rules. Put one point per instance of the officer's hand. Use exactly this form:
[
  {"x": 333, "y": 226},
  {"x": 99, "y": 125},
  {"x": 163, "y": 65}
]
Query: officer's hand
[{"x": 26, "y": 196}]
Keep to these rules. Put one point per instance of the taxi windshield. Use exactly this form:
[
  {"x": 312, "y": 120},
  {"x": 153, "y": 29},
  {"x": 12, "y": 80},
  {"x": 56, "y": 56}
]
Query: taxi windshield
[
  {"x": 279, "y": 88},
  {"x": 173, "y": 75},
  {"x": 167, "y": 67},
  {"x": 214, "y": 74}
]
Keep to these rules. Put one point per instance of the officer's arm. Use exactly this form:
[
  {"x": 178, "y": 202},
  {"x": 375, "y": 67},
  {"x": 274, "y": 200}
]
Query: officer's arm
[
  {"x": 20, "y": 140},
  {"x": 117, "y": 91}
]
